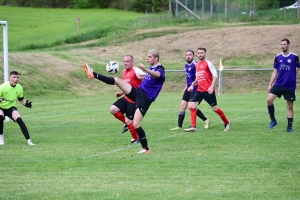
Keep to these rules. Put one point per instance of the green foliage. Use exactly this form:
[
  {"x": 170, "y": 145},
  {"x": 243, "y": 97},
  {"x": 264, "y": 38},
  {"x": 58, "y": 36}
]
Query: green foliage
[
  {"x": 149, "y": 5},
  {"x": 269, "y": 4}
]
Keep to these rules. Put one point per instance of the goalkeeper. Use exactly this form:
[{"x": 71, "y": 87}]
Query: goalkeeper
[{"x": 10, "y": 92}]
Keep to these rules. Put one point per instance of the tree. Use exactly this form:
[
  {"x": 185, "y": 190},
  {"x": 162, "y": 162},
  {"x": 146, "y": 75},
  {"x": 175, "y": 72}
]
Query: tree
[{"x": 143, "y": 5}]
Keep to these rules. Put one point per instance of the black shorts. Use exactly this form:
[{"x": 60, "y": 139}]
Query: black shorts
[
  {"x": 187, "y": 96},
  {"x": 288, "y": 94},
  {"x": 141, "y": 99},
  {"x": 209, "y": 98},
  {"x": 126, "y": 107},
  {"x": 8, "y": 112}
]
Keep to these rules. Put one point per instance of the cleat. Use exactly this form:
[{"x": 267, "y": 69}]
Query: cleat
[
  {"x": 88, "y": 70},
  {"x": 143, "y": 150},
  {"x": 191, "y": 129},
  {"x": 29, "y": 142},
  {"x": 134, "y": 141},
  {"x": 176, "y": 128},
  {"x": 290, "y": 130},
  {"x": 206, "y": 124},
  {"x": 227, "y": 126},
  {"x": 272, "y": 124},
  {"x": 2, "y": 139},
  {"x": 125, "y": 128}
]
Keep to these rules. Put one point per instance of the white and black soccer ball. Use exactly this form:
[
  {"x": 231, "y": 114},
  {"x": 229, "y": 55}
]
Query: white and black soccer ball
[{"x": 112, "y": 67}]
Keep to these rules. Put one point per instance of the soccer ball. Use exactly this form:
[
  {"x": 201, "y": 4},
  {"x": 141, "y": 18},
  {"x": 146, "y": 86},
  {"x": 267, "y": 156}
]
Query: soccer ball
[{"x": 112, "y": 67}]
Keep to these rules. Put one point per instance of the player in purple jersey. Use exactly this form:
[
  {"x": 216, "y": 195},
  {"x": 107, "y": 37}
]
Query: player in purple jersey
[
  {"x": 283, "y": 82},
  {"x": 190, "y": 72},
  {"x": 144, "y": 95}
]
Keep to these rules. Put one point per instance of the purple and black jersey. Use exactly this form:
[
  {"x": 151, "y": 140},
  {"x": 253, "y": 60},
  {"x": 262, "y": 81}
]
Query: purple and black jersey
[
  {"x": 190, "y": 73},
  {"x": 286, "y": 67},
  {"x": 152, "y": 86}
]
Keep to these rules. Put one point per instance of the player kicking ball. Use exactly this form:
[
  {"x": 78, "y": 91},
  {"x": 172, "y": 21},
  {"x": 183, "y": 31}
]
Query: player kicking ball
[
  {"x": 144, "y": 95},
  {"x": 125, "y": 105}
]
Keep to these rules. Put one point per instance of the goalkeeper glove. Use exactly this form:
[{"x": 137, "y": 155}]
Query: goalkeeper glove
[{"x": 28, "y": 104}]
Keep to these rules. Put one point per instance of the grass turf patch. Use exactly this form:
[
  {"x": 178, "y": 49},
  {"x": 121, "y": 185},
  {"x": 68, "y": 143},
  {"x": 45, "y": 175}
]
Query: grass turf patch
[{"x": 80, "y": 152}]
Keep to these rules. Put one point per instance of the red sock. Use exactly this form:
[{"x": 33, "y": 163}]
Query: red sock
[
  {"x": 133, "y": 132},
  {"x": 222, "y": 116},
  {"x": 120, "y": 116},
  {"x": 193, "y": 116}
]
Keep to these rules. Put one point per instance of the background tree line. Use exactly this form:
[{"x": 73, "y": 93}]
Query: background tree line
[{"x": 132, "y": 5}]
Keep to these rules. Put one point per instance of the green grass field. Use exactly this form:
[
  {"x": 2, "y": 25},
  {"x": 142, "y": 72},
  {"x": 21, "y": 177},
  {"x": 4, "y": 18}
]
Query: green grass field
[
  {"x": 80, "y": 152},
  {"x": 44, "y": 27}
]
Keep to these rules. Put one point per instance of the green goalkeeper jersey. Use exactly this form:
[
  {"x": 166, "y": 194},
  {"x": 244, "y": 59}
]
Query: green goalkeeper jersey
[{"x": 10, "y": 94}]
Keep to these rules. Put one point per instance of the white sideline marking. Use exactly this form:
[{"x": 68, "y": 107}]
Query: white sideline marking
[
  {"x": 128, "y": 147},
  {"x": 108, "y": 152}
]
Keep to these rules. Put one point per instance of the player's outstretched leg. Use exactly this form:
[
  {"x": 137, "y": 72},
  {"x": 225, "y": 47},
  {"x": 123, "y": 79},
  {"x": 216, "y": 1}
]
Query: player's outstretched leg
[
  {"x": 123, "y": 85},
  {"x": 24, "y": 130},
  {"x": 88, "y": 70},
  {"x": 91, "y": 74}
]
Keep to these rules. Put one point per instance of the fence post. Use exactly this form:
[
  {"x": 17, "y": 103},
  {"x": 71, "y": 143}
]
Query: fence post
[
  {"x": 225, "y": 8},
  {"x": 220, "y": 77},
  {"x": 219, "y": 15},
  {"x": 220, "y": 83},
  {"x": 298, "y": 9},
  {"x": 239, "y": 10},
  {"x": 232, "y": 7},
  {"x": 170, "y": 9},
  {"x": 176, "y": 8},
  {"x": 195, "y": 6},
  {"x": 211, "y": 8},
  {"x": 202, "y": 10},
  {"x": 254, "y": 8}
]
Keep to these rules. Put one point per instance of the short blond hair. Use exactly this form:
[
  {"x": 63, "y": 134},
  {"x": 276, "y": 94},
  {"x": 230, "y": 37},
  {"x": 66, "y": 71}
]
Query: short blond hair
[{"x": 154, "y": 52}]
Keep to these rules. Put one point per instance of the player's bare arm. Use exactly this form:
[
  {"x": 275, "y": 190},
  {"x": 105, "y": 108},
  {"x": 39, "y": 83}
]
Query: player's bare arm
[
  {"x": 155, "y": 74},
  {"x": 212, "y": 86},
  {"x": 273, "y": 77},
  {"x": 193, "y": 85}
]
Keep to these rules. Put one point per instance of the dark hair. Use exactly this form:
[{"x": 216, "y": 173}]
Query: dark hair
[
  {"x": 190, "y": 51},
  {"x": 285, "y": 39},
  {"x": 202, "y": 48},
  {"x": 14, "y": 73}
]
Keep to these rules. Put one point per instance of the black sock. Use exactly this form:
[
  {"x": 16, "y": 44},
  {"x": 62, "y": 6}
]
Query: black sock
[
  {"x": 181, "y": 118},
  {"x": 1, "y": 124},
  {"x": 142, "y": 138},
  {"x": 105, "y": 79},
  {"x": 200, "y": 114},
  {"x": 290, "y": 122},
  {"x": 23, "y": 128},
  {"x": 271, "y": 110}
]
